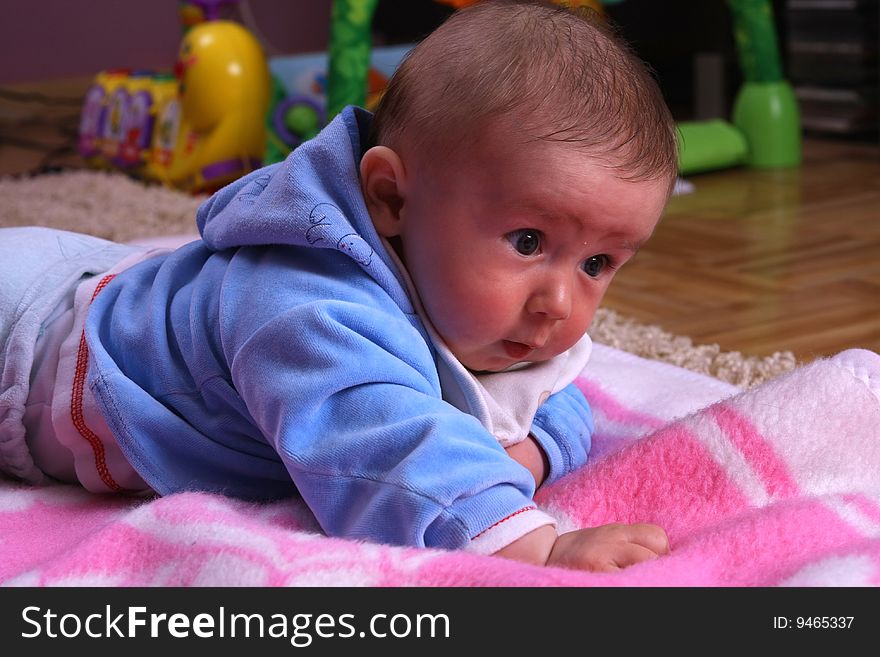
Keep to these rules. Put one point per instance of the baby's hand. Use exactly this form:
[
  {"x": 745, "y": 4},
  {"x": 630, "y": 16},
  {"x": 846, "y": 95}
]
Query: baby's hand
[{"x": 609, "y": 547}]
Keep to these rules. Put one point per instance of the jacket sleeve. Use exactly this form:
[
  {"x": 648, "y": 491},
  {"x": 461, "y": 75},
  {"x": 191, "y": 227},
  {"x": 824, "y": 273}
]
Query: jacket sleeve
[
  {"x": 348, "y": 396},
  {"x": 563, "y": 427}
]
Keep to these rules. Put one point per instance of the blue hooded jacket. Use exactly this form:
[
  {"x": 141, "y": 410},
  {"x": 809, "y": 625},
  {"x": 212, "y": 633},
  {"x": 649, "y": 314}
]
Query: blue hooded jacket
[{"x": 281, "y": 355}]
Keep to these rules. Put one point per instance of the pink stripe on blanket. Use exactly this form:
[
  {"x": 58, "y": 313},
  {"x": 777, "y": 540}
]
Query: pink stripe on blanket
[
  {"x": 776, "y": 541},
  {"x": 758, "y": 451},
  {"x": 866, "y": 506},
  {"x": 612, "y": 408},
  {"x": 668, "y": 478}
]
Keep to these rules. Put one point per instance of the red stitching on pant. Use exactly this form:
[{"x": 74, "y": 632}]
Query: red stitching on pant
[{"x": 76, "y": 404}]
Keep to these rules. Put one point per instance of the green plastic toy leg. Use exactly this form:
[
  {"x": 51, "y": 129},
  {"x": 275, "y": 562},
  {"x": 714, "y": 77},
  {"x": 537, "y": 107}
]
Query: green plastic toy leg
[
  {"x": 765, "y": 109},
  {"x": 767, "y": 114},
  {"x": 755, "y": 33},
  {"x": 708, "y": 145}
]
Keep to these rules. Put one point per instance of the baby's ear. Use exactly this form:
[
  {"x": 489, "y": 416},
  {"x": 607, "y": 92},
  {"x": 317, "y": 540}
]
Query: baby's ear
[{"x": 382, "y": 182}]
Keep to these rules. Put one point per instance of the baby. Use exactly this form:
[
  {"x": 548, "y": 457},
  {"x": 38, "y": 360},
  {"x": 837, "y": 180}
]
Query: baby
[{"x": 386, "y": 324}]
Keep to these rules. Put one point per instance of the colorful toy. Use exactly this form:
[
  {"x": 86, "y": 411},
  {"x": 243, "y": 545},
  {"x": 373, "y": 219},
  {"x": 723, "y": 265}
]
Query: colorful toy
[
  {"x": 129, "y": 121},
  {"x": 299, "y": 100},
  {"x": 196, "y": 130},
  {"x": 94, "y": 126},
  {"x": 118, "y": 115},
  {"x": 165, "y": 127}
]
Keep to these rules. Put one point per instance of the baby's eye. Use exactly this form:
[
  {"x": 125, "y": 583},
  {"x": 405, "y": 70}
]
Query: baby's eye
[
  {"x": 595, "y": 265},
  {"x": 527, "y": 241}
]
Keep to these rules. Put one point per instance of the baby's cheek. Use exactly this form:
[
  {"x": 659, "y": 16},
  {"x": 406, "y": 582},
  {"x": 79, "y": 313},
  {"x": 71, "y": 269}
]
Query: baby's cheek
[{"x": 580, "y": 320}]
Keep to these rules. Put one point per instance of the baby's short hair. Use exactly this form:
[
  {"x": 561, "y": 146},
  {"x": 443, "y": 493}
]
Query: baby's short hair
[{"x": 561, "y": 73}]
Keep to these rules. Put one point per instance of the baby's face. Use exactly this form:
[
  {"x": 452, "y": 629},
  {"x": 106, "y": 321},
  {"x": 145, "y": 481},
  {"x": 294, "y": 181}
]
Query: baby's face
[{"x": 511, "y": 247}]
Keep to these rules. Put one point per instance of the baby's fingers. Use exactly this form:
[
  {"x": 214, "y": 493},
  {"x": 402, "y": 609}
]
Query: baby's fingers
[
  {"x": 648, "y": 536},
  {"x": 630, "y": 554}
]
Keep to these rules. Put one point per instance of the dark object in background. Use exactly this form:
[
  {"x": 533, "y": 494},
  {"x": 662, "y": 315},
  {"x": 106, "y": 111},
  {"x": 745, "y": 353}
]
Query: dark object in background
[
  {"x": 833, "y": 65},
  {"x": 406, "y": 21}
]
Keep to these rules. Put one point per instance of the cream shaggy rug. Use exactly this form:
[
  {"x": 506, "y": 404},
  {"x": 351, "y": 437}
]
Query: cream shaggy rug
[{"x": 115, "y": 207}]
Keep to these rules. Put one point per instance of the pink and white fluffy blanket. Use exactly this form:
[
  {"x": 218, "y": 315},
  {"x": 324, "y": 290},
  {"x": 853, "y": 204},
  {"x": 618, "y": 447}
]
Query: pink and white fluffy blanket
[{"x": 778, "y": 485}]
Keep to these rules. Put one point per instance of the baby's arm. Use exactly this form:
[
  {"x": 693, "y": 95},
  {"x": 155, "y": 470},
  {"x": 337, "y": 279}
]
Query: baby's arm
[
  {"x": 596, "y": 549},
  {"x": 562, "y": 430},
  {"x": 530, "y": 455}
]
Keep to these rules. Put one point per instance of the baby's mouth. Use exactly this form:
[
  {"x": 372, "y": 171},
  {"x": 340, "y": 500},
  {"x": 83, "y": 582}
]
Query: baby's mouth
[{"x": 517, "y": 350}]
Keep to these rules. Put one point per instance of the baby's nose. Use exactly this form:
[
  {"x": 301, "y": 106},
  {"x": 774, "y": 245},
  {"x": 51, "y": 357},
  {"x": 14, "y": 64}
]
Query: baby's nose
[{"x": 553, "y": 300}]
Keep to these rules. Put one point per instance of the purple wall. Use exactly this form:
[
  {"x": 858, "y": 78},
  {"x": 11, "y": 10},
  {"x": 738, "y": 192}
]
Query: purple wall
[{"x": 57, "y": 39}]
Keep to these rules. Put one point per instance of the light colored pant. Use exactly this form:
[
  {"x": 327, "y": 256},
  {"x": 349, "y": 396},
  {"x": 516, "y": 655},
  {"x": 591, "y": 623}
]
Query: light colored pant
[{"x": 40, "y": 268}]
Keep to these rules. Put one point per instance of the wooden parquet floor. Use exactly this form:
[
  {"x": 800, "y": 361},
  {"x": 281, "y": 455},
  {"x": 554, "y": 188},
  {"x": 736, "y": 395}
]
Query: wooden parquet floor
[{"x": 759, "y": 261}]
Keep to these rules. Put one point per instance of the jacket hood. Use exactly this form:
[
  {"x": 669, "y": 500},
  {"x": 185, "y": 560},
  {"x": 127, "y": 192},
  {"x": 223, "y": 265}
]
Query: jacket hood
[{"x": 312, "y": 198}]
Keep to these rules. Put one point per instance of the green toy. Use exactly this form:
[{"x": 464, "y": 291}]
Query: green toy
[
  {"x": 765, "y": 111},
  {"x": 712, "y": 144},
  {"x": 349, "y": 53}
]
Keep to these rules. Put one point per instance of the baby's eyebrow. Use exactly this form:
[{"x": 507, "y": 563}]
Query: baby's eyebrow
[{"x": 631, "y": 246}]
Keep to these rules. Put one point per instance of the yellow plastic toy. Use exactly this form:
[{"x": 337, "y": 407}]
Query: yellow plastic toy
[
  {"x": 197, "y": 130},
  {"x": 224, "y": 96}
]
